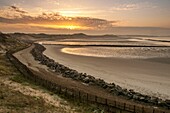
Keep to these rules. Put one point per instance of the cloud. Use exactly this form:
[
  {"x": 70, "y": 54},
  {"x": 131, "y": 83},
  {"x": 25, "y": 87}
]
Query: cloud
[
  {"x": 12, "y": 12},
  {"x": 16, "y": 9},
  {"x": 55, "y": 2},
  {"x": 126, "y": 7},
  {"x": 135, "y": 6},
  {"x": 55, "y": 20}
]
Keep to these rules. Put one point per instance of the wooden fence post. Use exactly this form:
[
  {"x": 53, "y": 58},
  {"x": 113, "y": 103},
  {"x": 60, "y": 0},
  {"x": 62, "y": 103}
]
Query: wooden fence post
[
  {"x": 59, "y": 89},
  {"x": 142, "y": 109},
  {"x": 106, "y": 101},
  {"x": 79, "y": 96},
  {"x": 124, "y": 106},
  {"x": 95, "y": 99},
  {"x": 73, "y": 93},
  {"x": 34, "y": 79},
  {"x": 153, "y": 110},
  {"x": 106, "y": 105},
  {"x": 66, "y": 92},
  {"x": 87, "y": 97},
  {"x": 134, "y": 109}
]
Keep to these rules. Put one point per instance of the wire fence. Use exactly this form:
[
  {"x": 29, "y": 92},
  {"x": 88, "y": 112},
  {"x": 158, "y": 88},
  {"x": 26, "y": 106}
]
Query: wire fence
[{"x": 109, "y": 105}]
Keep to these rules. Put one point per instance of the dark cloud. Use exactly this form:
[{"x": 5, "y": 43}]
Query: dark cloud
[{"x": 14, "y": 8}]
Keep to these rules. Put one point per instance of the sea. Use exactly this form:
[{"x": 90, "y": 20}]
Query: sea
[{"x": 117, "y": 47}]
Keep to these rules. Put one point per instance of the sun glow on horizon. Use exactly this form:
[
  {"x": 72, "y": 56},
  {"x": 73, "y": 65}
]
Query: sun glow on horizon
[
  {"x": 69, "y": 27},
  {"x": 72, "y": 27}
]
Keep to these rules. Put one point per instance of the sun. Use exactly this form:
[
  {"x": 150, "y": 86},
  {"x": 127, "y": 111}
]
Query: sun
[{"x": 71, "y": 27}]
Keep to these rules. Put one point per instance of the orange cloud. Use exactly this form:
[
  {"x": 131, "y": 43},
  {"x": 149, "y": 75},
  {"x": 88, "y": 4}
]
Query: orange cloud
[{"x": 55, "y": 20}]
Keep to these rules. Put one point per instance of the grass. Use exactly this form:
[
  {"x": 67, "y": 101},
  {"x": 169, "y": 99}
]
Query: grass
[
  {"x": 14, "y": 101},
  {"x": 6, "y": 68}
]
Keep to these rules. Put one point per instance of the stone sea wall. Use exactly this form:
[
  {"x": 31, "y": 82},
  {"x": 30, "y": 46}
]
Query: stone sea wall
[{"x": 37, "y": 52}]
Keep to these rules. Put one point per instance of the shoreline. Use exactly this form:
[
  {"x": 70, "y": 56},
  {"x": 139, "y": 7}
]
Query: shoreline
[
  {"x": 69, "y": 78},
  {"x": 120, "y": 77},
  {"x": 37, "y": 53}
]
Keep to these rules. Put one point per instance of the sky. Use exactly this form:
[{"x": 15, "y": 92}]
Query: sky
[{"x": 87, "y": 16}]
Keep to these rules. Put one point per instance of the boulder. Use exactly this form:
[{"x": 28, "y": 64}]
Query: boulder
[
  {"x": 135, "y": 97},
  {"x": 125, "y": 92},
  {"x": 130, "y": 95},
  {"x": 153, "y": 100},
  {"x": 104, "y": 86},
  {"x": 86, "y": 80},
  {"x": 131, "y": 90},
  {"x": 111, "y": 85},
  {"x": 168, "y": 103}
]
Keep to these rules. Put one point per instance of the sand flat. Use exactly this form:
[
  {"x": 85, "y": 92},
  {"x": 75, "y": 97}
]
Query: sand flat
[{"x": 144, "y": 76}]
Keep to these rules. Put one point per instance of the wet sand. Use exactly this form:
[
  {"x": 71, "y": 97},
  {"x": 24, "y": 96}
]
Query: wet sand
[{"x": 149, "y": 76}]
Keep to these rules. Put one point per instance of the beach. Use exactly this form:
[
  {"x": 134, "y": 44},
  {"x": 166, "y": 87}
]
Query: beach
[{"x": 146, "y": 76}]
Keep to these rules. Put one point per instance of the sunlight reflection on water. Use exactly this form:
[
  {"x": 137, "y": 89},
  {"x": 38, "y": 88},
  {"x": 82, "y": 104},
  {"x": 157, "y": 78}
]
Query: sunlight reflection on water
[
  {"x": 128, "y": 52},
  {"x": 120, "y": 52}
]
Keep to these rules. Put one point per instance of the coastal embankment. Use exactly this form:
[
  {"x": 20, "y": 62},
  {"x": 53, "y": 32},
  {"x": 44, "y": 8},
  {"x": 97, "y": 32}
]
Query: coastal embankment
[
  {"x": 90, "y": 80},
  {"x": 50, "y": 78},
  {"x": 148, "y": 76}
]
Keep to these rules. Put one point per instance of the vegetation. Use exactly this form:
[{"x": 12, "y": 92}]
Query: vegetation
[{"x": 15, "y": 101}]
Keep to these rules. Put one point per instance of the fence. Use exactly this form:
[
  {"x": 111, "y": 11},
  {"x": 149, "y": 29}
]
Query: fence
[{"x": 109, "y": 105}]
